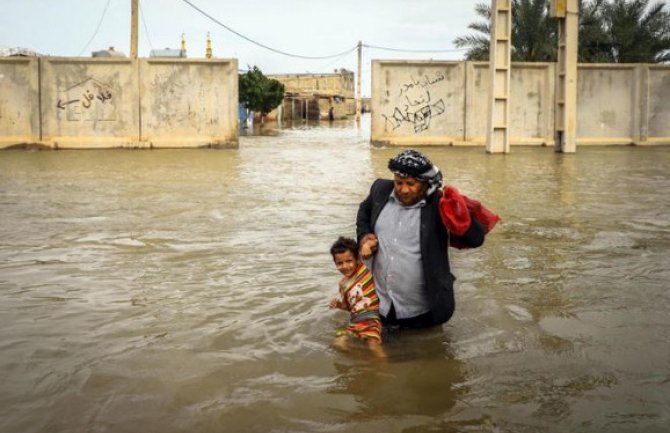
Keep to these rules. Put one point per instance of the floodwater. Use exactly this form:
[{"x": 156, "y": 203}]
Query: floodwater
[{"x": 187, "y": 291}]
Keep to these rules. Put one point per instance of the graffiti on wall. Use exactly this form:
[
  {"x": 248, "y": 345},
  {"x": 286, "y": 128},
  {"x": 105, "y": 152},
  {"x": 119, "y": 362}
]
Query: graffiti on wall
[
  {"x": 87, "y": 100},
  {"x": 415, "y": 104}
]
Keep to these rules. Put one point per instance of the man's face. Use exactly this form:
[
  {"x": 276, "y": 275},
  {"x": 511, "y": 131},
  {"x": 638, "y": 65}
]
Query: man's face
[{"x": 408, "y": 189}]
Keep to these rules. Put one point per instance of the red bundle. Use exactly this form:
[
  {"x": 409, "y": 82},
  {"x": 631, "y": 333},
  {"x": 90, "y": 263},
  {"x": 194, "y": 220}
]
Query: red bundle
[{"x": 456, "y": 211}]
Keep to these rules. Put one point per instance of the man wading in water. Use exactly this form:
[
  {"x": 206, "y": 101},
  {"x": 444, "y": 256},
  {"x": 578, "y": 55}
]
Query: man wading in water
[{"x": 403, "y": 227}]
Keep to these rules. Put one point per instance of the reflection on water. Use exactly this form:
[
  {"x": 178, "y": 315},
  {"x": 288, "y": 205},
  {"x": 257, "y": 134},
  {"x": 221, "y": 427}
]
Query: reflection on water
[{"x": 187, "y": 290}]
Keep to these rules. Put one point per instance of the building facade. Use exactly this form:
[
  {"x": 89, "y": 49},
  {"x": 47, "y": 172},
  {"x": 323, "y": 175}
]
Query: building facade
[{"x": 316, "y": 96}]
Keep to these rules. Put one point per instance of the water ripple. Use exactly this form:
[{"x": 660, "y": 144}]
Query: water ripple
[{"x": 187, "y": 291}]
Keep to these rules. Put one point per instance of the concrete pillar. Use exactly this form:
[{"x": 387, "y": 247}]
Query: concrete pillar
[
  {"x": 134, "y": 8},
  {"x": 500, "y": 55},
  {"x": 641, "y": 120},
  {"x": 567, "y": 12}
]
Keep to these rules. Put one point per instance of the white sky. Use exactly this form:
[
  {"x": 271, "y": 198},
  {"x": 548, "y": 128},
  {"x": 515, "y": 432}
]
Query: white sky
[{"x": 303, "y": 27}]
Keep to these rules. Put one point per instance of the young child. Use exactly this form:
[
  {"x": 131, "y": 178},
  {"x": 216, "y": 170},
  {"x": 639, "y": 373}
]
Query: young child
[{"x": 358, "y": 296}]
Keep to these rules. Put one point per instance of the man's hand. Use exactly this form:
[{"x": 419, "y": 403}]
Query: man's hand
[{"x": 369, "y": 245}]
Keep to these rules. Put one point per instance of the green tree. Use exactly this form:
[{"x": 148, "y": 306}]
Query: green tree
[
  {"x": 258, "y": 92},
  {"x": 477, "y": 43},
  {"x": 594, "y": 42},
  {"x": 534, "y": 33},
  {"x": 639, "y": 32},
  {"x": 609, "y": 31}
]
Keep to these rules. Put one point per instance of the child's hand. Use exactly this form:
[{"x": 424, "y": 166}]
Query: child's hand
[
  {"x": 335, "y": 303},
  {"x": 369, "y": 245}
]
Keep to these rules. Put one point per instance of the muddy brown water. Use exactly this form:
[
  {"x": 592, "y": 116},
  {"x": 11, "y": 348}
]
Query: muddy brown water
[{"x": 187, "y": 291}]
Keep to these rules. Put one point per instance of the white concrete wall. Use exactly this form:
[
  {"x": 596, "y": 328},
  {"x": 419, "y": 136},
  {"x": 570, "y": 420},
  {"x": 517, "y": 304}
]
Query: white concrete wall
[
  {"x": 19, "y": 101},
  {"x": 189, "y": 103},
  {"x": 118, "y": 102},
  {"x": 89, "y": 103},
  {"x": 531, "y": 103},
  {"x": 477, "y": 84},
  {"x": 606, "y": 105},
  {"x": 658, "y": 105},
  {"x": 418, "y": 102},
  {"x": 616, "y": 103}
]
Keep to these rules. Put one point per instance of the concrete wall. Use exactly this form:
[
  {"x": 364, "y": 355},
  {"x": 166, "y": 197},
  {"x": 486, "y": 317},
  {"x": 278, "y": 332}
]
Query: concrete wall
[
  {"x": 189, "y": 102},
  {"x": 19, "y": 101},
  {"x": 418, "y": 102},
  {"x": 89, "y": 102},
  {"x": 112, "y": 102},
  {"x": 531, "y": 103},
  {"x": 657, "y": 128},
  {"x": 446, "y": 103},
  {"x": 606, "y": 104}
]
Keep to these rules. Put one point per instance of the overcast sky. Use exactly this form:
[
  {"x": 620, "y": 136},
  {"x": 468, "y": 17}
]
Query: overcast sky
[{"x": 313, "y": 28}]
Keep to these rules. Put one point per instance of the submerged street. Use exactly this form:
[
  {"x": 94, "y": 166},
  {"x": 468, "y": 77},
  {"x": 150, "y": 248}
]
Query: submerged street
[{"x": 187, "y": 291}]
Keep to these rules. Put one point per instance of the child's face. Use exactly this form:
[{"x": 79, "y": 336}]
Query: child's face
[{"x": 346, "y": 263}]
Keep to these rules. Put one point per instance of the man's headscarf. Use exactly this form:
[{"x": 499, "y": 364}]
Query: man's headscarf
[{"x": 416, "y": 164}]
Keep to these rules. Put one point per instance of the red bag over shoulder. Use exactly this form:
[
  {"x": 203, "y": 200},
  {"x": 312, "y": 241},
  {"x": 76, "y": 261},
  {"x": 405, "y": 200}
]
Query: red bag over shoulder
[
  {"x": 456, "y": 211},
  {"x": 482, "y": 214}
]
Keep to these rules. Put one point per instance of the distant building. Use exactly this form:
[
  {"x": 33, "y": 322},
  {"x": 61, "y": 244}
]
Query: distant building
[
  {"x": 171, "y": 53},
  {"x": 109, "y": 52},
  {"x": 168, "y": 53},
  {"x": 317, "y": 96},
  {"x": 17, "y": 52}
]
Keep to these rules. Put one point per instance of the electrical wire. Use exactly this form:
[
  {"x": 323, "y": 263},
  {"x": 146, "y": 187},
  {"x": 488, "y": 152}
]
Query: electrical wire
[
  {"x": 331, "y": 63},
  {"x": 414, "y": 51},
  {"x": 263, "y": 45},
  {"x": 146, "y": 29},
  {"x": 104, "y": 12}
]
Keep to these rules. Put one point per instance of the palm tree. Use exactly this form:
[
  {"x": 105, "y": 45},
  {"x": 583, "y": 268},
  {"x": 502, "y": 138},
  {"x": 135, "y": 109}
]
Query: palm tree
[
  {"x": 478, "y": 43},
  {"x": 639, "y": 32},
  {"x": 609, "y": 31},
  {"x": 534, "y": 33},
  {"x": 594, "y": 42}
]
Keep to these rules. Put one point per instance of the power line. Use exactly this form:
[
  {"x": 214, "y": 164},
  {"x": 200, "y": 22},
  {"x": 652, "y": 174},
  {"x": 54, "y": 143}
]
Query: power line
[
  {"x": 96, "y": 29},
  {"x": 331, "y": 63},
  {"x": 414, "y": 51},
  {"x": 263, "y": 45},
  {"x": 146, "y": 29}
]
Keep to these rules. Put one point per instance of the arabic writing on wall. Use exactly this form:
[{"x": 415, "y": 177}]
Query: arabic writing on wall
[
  {"x": 89, "y": 100},
  {"x": 414, "y": 103}
]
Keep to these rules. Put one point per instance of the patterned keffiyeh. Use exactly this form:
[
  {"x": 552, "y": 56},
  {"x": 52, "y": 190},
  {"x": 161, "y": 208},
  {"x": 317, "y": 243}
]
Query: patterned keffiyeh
[{"x": 416, "y": 164}]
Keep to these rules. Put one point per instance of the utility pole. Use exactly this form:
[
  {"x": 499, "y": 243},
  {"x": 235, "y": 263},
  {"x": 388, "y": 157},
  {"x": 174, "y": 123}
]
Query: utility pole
[
  {"x": 134, "y": 12},
  {"x": 358, "y": 81}
]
